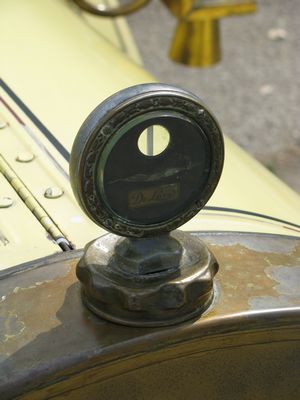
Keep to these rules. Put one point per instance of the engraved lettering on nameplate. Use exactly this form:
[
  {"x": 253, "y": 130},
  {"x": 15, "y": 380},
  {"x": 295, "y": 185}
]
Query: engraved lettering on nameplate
[{"x": 154, "y": 195}]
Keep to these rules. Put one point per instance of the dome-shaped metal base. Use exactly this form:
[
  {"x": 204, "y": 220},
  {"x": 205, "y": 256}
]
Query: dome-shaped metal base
[{"x": 155, "y": 281}]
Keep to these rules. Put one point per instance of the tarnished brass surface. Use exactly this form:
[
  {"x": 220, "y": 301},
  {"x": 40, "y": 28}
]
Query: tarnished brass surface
[
  {"x": 247, "y": 345},
  {"x": 197, "y": 39},
  {"x": 158, "y": 281},
  {"x": 105, "y": 11}
]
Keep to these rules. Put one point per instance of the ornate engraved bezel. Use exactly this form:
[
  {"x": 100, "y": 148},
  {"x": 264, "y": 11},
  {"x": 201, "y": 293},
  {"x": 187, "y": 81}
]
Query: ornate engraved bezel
[{"x": 106, "y": 120}]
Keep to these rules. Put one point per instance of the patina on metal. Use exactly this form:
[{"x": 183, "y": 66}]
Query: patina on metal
[
  {"x": 142, "y": 282},
  {"x": 52, "y": 346},
  {"x": 105, "y": 10},
  {"x": 149, "y": 276}
]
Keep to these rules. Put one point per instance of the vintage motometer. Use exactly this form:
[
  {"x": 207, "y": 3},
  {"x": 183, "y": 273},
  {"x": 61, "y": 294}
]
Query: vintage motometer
[
  {"x": 239, "y": 328},
  {"x": 151, "y": 275}
]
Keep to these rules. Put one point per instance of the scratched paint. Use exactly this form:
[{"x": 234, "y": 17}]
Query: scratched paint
[
  {"x": 36, "y": 294},
  {"x": 286, "y": 284},
  {"x": 12, "y": 327},
  {"x": 256, "y": 274},
  {"x": 272, "y": 245}
]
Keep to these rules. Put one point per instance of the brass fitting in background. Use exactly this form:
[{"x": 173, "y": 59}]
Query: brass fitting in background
[{"x": 197, "y": 37}]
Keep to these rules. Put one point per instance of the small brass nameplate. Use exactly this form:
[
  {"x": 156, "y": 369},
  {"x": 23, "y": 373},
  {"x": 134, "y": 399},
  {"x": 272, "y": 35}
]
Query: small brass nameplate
[{"x": 154, "y": 195}]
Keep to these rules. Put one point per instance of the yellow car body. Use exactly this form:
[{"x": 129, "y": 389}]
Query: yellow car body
[{"x": 57, "y": 64}]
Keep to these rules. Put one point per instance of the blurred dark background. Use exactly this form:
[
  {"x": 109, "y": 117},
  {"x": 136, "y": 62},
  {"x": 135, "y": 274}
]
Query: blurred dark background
[{"x": 254, "y": 90}]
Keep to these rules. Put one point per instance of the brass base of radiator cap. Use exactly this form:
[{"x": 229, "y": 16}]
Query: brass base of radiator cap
[{"x": 155, "y": 281}]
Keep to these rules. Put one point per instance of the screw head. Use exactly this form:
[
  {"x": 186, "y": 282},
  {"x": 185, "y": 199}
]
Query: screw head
[
  {"x": 5, "y": 202},
  {"x": 53, "y": 192},
  {"x": 25, "y": 157},
  {"x": 3, "y": 124}
]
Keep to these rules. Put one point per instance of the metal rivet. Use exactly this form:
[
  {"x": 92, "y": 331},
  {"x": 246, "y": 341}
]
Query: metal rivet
[
  {"x": 3, "y": 124},
  {"x": 53, "y": 192},
  {"x": 5, "y": 202},
  {"x": 25, "y": 157}
]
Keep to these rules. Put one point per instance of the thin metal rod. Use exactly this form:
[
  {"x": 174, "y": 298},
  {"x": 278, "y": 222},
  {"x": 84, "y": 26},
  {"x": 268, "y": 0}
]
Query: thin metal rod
[{"x": 150, "y": 143}]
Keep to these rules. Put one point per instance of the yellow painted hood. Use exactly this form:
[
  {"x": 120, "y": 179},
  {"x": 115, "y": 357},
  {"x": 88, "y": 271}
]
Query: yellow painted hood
[{"x": 56, "y": 66}]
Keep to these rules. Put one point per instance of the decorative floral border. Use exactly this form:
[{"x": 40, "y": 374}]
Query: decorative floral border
[{"x": 94, "y": 204}]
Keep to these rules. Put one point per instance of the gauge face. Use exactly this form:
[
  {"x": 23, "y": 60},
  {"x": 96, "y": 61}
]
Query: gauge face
[
  {"x": 130, "y": 191},
  {"x": 145, "y": 189}
]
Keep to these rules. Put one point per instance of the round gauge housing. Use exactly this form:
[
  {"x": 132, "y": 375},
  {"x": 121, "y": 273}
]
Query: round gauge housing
[{"x": 134, "y": 194}]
